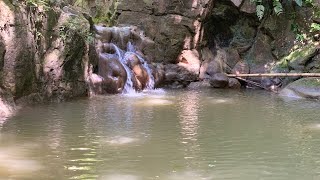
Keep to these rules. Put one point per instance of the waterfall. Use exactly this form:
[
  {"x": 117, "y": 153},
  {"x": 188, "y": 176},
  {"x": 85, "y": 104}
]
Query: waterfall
[
  {"x": 123, "y": 58},
  {"x": 131, "y": 50}
]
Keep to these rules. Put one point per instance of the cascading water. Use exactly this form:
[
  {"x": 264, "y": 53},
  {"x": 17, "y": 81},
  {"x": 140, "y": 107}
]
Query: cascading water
[
  {"x": 124, "y": 58},
  {"x": 115, "y": 50},
  {"x": 131, "y": 50},
  {"x": 128, "y": 88}
]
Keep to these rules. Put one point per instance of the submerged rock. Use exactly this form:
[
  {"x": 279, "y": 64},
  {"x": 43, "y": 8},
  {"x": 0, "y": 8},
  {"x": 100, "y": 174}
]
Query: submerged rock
[
  {"x": 303, "y": 88},
  {"x": 199, "y": 85}
]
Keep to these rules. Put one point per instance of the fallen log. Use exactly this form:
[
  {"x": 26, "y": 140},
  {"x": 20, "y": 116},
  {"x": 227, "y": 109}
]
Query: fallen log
[{"x": 276, "y": 75}]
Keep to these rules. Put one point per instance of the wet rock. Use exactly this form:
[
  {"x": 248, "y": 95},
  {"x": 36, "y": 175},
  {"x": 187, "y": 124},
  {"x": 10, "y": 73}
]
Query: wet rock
[
  {"x": 178, "y": 76},
  {"x": 219, "y": 80},
  {"x": 233, "y": 83},
  {"x": 158, "y": 73},
  {"x": 204, "y": 84},
  {"x": 113, "y": 73},
  {"x": 303, "y": 88},
  {"x": 139, "y": 71}
]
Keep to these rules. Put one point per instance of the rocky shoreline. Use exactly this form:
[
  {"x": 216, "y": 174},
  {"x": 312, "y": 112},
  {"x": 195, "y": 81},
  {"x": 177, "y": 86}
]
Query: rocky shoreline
[{"x": 58, "y": 53}]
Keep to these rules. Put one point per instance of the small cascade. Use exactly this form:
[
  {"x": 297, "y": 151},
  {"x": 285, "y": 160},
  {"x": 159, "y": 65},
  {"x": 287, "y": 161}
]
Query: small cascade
[
  {"x": 121, "y": 65},
  {"x": 124, "y": 58},
  {"x": 128, "y": 88},
  {"x": 131, "y": 50}
]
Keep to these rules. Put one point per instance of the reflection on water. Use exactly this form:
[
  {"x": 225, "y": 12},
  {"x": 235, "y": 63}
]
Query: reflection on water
[
  {"x": 166, "y": 135},
  {"x": 14, "y": 162},
  {"x": 120, "y": 177},
  {"x": 119, "y": 140},
  {"x": 189, "y": 107}
]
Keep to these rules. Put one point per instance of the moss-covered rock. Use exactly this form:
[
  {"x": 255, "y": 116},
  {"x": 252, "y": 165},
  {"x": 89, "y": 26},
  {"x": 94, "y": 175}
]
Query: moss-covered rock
[
  {"x": 298, "y": 59},
  {"x": 303, "y": 88}
]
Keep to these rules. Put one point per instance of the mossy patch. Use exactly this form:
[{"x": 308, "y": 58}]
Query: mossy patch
[
  {"x": 52, "y": 21},
  {"x": 308, "y": 82},
  {"x": 298, "y": 57}
]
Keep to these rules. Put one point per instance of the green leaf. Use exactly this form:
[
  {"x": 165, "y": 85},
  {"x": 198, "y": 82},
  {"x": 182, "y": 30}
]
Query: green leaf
[
  {"x": 315, "y": 27},
  {"x": 299, "y": 2},
  {"x": 277, "y": 7},
  {"x": 260, "y": 11}
]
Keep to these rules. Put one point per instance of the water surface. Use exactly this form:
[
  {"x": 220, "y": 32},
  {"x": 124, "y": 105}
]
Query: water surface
[{"x": 169, "y": 135}]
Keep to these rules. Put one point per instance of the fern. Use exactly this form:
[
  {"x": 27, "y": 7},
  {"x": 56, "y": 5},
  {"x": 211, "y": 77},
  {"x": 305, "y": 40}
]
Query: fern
[
  {"x": 277, "y": 7},
  {"x": 260, "y": 11}
]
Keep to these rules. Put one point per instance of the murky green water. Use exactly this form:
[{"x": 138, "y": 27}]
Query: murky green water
[{"x": 165, "y": 135}]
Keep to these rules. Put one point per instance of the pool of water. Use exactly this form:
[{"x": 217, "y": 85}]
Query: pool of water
[{"x": 165, "y": 134}]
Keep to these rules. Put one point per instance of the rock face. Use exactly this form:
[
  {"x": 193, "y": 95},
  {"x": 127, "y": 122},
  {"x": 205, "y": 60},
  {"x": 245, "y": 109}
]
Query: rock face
[
  {"x": 303, "y": 88},
  {"x": 173, "y": 25},
  {"x": 37, "y": 62}
]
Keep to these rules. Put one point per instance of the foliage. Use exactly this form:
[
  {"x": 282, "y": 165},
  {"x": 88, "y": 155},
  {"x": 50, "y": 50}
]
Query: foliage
[
  {"x": 277, "y": 8},
  {"x": 75, "y": 26},
  {"x": 315, "y": 27},
  {"x": 106, "y": 14},
  {"x": 37, "y": 3}
]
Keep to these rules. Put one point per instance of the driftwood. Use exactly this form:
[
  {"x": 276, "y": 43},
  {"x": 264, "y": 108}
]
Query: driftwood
[{"x": 276, "y": 75}]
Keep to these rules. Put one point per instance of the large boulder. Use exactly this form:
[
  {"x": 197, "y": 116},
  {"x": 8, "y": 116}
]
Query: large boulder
[
  {"x": 219, "y": 80},
  {"x": 177, "y": 76},
  {"x": 298, "y": 59},
  {"x": 113, "y": 73},
  {"x": 303, "y": 88},
  {"x": 213, "y": 62}
]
